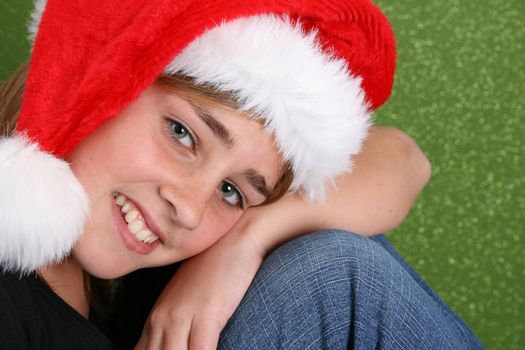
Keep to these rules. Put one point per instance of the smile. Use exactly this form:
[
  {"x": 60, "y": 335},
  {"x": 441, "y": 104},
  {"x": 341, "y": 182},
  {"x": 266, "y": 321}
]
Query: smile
[{"x": 135, "y": 221}]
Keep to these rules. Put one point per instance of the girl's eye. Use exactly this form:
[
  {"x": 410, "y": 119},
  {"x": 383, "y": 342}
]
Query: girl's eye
[
  {"x": 231, "y": 195},
  {"x": 181, "y": 133}
]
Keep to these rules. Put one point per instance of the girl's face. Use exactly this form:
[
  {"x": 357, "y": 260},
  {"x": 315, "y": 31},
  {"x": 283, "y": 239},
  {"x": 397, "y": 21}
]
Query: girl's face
[{"x": 166, "y": 179}]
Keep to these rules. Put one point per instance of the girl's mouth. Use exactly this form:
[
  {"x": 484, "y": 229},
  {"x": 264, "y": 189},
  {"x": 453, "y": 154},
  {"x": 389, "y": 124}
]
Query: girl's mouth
[{"x": 133, "y": 217}]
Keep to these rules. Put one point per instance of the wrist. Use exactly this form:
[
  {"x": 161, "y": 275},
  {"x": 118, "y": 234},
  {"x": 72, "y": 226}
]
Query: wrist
[
  {"x": 244, "y": 235},
  {"x": 269, "y": 226}
]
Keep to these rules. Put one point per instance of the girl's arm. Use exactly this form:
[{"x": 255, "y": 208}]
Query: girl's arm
[
  {"x": 205, "y": 291},
  {"x": 388, "y": 175}
]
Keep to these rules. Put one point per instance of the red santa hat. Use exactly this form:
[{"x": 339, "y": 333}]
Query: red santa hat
[{"x": 313, "y": 69}]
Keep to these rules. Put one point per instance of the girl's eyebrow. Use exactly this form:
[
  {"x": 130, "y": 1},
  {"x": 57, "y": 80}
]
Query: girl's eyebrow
[
  {"x": 217, "y": 128},
  {"x": 258, "y": 182}
]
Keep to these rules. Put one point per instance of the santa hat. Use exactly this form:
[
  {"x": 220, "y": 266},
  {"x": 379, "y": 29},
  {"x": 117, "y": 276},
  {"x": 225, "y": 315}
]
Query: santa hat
[{"x": 313, "y": 69}]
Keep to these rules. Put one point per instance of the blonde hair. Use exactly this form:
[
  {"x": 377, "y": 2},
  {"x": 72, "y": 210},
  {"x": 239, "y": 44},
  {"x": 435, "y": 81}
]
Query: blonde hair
[{"x": 12, "y": 90}]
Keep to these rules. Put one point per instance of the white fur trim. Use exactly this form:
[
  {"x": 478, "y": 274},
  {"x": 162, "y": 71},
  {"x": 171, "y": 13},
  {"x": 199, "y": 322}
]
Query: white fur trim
[
  {"x": 34, "y": 22},
  {"x": 42, "y": 206},
  {"x": 310, "y": 101}
]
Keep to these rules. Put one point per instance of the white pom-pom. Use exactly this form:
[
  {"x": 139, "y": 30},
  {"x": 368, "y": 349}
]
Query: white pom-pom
[{"x": 42, "y": 206}]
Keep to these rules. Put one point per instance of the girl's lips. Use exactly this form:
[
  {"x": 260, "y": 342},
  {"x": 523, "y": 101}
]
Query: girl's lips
[{"x": 128, "y": 238}]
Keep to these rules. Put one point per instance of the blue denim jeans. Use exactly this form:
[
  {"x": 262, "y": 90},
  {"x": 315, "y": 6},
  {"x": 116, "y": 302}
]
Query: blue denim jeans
[{"x": 338, "y": 290}]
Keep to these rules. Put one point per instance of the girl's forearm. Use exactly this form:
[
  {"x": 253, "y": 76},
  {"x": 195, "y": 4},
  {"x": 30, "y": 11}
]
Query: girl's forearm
[{"x": 388, "y": 175}]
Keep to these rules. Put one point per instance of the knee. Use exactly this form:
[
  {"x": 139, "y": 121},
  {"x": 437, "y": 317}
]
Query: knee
[
  {"x": 307, "y": 291},
  {"x": 327, "y": 265},
  {"x": 334, "y": 287},
  {"x": 330, "y": 253}
]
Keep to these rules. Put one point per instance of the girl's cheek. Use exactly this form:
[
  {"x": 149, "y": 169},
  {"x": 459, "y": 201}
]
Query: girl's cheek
[{"x": 220, "y": 222}]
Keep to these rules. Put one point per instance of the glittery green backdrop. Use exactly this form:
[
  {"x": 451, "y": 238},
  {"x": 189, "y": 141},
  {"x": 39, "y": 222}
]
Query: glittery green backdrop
[{"x": 460, "y": 93}]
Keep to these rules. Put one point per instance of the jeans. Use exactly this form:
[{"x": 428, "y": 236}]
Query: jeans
[{"x": 338, "y": 290}]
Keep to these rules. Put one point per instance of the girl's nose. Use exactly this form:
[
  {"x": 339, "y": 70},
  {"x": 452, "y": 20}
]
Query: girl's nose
[{"x": 188, "y": 204}]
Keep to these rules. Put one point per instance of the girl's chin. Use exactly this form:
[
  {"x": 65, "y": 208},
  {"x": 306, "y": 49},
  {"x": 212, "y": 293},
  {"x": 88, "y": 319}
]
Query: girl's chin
[
  {"x": 102, "y": 268},
  {"x": 105, "y": 274}
]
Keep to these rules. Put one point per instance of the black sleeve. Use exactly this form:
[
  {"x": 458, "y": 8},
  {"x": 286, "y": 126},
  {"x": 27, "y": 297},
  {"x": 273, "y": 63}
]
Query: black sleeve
[
  {"x": 13, "y": 333},
  {"x": 133, "y": 302}
]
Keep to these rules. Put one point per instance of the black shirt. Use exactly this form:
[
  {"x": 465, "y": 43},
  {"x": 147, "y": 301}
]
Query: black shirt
[{"x": 32, "y": 316}]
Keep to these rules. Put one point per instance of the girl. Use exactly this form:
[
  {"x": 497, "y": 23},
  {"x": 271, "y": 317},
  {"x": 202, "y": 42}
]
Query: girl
[{"x": 148, "y": 129}]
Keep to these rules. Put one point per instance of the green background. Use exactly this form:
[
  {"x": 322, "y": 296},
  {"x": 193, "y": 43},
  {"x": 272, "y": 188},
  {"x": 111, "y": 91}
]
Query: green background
[{"x": 460, "y": 93}]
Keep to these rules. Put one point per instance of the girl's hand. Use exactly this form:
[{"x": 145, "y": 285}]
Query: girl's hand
[{"x": 202, "y": 295}]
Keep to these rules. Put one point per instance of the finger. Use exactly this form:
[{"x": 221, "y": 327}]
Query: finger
[
  {"x": 172, "y": 340},
  {"x": 142, "y": 343},
  {"x": 204, "y": 335},
  {"x": 154, "y": 341},
  {"x": 151, "y": 338}
]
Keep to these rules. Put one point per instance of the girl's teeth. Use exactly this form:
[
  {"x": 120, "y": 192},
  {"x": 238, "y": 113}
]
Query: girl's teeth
[
  {"x": 143, "y": 234},
  {"x": 120, "y": 200},
  {"x": 125, "y": 208},
  {"x": 151, "y": 239},
  {"x": 131, "y": 216},
  {"x": 136, "y": 226},
  {"x": 134, "y": 220}
]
